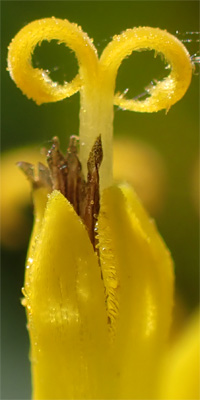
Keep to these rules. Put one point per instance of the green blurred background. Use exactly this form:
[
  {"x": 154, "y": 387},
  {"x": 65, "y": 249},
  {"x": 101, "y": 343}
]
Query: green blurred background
[{"x": 174, "y": 136}]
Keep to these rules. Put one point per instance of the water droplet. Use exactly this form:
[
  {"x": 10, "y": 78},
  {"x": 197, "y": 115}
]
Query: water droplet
[{"x": 126, "y": 91}]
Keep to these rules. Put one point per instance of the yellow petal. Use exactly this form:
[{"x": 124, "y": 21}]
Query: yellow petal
[
  {"x": 40, "y": 197},
  {"x": 181, "y": 372},
  {"x": 140, "y": 165},
  {"x": 138, "y": 275},
  {"x": 66, "y": 310}
]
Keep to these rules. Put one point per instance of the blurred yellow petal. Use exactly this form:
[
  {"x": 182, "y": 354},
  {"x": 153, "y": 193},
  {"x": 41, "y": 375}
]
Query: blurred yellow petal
[
  {"x": 179, "y": 317},
  {"x": 140, "y": 165},
  {"x": 181, "y": 371},
  {"x": 15, "y": 196}
]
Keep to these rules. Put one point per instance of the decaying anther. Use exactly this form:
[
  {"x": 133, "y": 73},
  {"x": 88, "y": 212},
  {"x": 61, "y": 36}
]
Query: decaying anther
[{"x": 64, "y": 173}]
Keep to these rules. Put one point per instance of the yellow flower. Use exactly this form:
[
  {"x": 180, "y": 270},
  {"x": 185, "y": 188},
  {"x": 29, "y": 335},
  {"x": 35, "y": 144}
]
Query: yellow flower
[{"x": 99, "y": 281}]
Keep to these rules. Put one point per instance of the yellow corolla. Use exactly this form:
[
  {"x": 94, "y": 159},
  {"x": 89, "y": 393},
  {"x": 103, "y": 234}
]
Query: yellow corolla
[{"x": 99, "y": 279}]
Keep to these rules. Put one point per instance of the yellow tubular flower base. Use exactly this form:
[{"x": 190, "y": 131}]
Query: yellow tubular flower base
[
  {"x": 68, "y": 331},
  {"x": 98, "y": 320}
]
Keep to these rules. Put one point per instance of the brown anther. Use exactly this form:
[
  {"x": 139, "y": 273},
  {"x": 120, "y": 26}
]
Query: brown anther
[
  {"x": 64, "y": 173},
  {"x": 57, "y": 166},
  {"x": 41, "y": 180},
  {"x": 90, "y": 208},
  {"x": 44, "y": 175},
  {"x": 28, "y": 169},
  {"x": 75, "y": 181}
]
